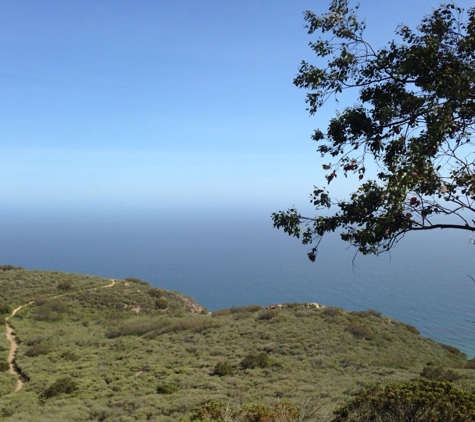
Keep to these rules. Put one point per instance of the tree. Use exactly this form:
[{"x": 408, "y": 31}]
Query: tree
[{"x": 407, "y": 140}]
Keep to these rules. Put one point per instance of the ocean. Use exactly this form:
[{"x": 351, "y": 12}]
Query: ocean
[{"x": 425, "y": 281}]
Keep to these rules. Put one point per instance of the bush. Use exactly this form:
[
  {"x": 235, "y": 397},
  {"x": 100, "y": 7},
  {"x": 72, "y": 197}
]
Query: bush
[
  {"x": 223, "y": 368},
  {"x": 412, "y": 329},
  {"x": 266, "y": 315},
  {"x": 259, "y": 360},
  {"x": 135, "y": 327},
  {"x": 221, "y": 312},
  {"x": 374, "y": 312},
  {"x": 247, "y": 308},
  {"x": 167, "y": 388},
  {"x": 454, "y": 350},
  {"x": 136, "y": 280},
  {"x": 331, "y": 312},
  {"x": 4, "y": 366},
  {"x": 70, "y": 355},
  {"x": 436, "y": 372},
  {"x": 63, "y": 385},
  {"x": 196, "y": 325},
  {"x": 65, "y": 285},
  {"x": 9, "y": 268},
  {"x": 5, "y": 308},
  {"x": 417, "y": 401},
  {"x": 38, "y": 349},
  {"x": 154, "y": 292},
  {"x": 215, "y": 411},
  {"x": 161, "y": 303},
  {"x": 470, "y": 364},
  {"x": 360, "y": 331}
]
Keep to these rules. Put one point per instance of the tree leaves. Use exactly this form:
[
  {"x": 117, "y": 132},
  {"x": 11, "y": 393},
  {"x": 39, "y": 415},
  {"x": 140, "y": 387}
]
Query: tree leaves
[{"x": 413, "y": 123}]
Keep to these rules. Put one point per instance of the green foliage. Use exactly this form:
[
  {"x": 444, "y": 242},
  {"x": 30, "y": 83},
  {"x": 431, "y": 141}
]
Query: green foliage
[
  {"x": 266, "y": 315},
  {"x": 4, "y": 366},
  {"x": 374, "y": 313},
  {"x": 360, "y": 331},
  {"x": 331, "y": 312},
  {"x": 167, "y": 388},
  {"x": 154, "y": 292},
  {"x": 38, "y": 349},
  {"x": 136, "y": 280},
  {"x": 162, "y": 303},
  {"x": 64, "y": 385},
  {"x": 412, "y": 329},
  {"x": 454, "y": 350},
  {"x": 221, "y": 312},
  {"x": 70, "y": 355},
  {"x": 8, "y": 267},
  {"x": 119, "y": 348},
  {"x": 5, "y": 308},
  {"x": 418, "y": 401},
  {"x": 223, "y": 368},
  {"x": 258, "y": 360},
  {"x": 413, "y": 118},
  {"x": 216, "y": 411},
  {"x": 247, "y": 308},
  {"x": 438, "y": 373},
  {"x": 50, "y": 310},
  {"x": 65, "y": 285}
]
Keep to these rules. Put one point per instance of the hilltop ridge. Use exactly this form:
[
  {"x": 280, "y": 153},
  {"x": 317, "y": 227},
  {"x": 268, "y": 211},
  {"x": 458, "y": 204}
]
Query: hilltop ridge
[{"x": 135, "y": 352}]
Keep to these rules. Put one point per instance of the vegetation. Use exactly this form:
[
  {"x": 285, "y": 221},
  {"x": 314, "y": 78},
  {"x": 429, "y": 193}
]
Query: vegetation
[
  {"x": 417, "y": 401},
  {"x": 407, "y": 140},
  {"x": 93, "y": 352}
]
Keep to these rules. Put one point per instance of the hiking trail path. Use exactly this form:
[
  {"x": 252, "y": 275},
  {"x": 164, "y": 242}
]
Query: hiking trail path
[{"x": 11, "y": 337}]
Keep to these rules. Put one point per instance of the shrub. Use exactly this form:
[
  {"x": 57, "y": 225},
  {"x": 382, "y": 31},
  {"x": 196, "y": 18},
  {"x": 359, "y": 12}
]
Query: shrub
[
  {"x": 161, "y": 303},
  {"x": 374, "y": 312},
  {"x": 223, "y": 368},
  {"x": 412, "y": 329},
  {"x": 221, "y": 312},
  {"x": 259, "y": 360},
  {"x": 167, "y": 388},
  {"x": 50, "y": 311},
  {"x": 38, "y": 349},
  {"x": 360, "y": 331},
  {"x": 70, "y": 355},
  {"x": 417, "y": 401},
  {"x": 196, "y": 325},
  {"x": 5, "y": 308},
  {"x": 216, "y": 411},
  {"x": 136, "y": 327},
  {"x": 65, "y": 285},
  {"x": 436, "y": 372},
  {"x": 63, "y": 385},
  {"x": 9, "y": 268},
  {"x": 136, "y": 280},
  {"x": 266, "y": 315},
  {"x": 155, "y": 293},
  {"x": 4, "y": 366},
  {"x": 211, "y": 411},
  {"x": 331, "y": 312},
  {"x": 470, "y": 364},
  {"x": 454, "y": 350},
  {"x": 247, "y": 308}
]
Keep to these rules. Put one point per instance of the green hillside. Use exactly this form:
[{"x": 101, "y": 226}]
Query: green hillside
[{"x": 95, "y": 349}]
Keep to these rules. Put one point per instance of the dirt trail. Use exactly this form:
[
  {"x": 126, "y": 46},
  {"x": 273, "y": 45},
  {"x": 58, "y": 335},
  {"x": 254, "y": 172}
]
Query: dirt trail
[{"x": 13, "y": 369}]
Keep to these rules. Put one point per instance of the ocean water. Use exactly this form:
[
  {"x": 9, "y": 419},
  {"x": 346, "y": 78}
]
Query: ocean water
[{"x": 425, "y": 281}]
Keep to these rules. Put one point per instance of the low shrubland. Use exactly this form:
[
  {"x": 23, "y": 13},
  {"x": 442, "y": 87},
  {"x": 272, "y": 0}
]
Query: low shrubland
[{"x": 112, "y": 354}]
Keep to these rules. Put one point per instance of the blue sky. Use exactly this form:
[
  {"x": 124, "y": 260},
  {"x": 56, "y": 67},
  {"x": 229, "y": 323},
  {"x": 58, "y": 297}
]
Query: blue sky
[{"x": 166, "y": 106}]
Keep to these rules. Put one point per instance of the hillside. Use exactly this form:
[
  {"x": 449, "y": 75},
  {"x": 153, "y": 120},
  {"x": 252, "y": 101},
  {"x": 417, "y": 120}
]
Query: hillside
[{"x": 95, "y": 349}]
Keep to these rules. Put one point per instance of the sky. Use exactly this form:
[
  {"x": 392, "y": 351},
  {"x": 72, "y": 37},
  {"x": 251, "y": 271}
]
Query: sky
[{"x": 179, "y": 106}]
